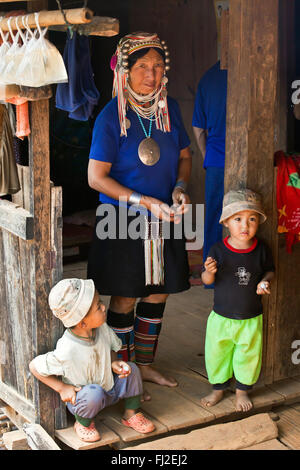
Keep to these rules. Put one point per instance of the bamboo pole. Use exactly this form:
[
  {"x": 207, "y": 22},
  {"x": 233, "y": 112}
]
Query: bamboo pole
[{"x": 50, "y": 18}]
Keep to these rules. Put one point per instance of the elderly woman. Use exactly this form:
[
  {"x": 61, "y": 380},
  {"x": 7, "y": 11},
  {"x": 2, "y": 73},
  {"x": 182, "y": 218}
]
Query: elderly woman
[{"x": 140, "y": 155}]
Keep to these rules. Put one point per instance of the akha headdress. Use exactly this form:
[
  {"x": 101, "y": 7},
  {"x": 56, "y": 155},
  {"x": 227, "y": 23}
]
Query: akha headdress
[{"x": 158, "y": 110}]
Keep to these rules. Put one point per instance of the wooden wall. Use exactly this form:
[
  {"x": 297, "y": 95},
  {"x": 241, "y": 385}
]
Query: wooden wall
[{"x": 189, "y": 29}]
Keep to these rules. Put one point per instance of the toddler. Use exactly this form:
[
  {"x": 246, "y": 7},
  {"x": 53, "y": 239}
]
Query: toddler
[{"x": 241, "y": 268}]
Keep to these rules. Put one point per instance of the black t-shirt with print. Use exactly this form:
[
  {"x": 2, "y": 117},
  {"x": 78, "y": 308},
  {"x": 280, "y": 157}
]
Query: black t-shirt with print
[{"x": 239, "y": 272}]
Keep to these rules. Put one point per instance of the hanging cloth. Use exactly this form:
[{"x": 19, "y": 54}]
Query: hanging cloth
[
  {"x": 9, "y": 180},
  {"x": 288, "y": 197},
  {"x": 79, "y": 95}
]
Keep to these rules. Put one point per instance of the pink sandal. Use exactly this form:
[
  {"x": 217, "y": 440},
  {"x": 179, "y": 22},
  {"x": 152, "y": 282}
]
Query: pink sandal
[
  {"x": 139, "y": 423},
  {"x": 87, "y": 434}
]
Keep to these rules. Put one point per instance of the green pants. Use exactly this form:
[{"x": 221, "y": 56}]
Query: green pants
[{"x": 233, "y": 347}]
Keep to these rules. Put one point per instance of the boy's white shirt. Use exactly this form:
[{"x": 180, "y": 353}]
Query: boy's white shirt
[{"x": 79, "y": 362}]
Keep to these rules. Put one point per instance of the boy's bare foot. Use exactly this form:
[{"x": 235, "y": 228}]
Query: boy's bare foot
[
  {"x": 243, "y": 402},
  {"x": 213, "y": 398},
  {"x": 151, "y": 375}
]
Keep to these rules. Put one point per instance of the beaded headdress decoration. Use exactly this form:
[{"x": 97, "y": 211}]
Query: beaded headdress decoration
[{"x": 158, "y": 111}]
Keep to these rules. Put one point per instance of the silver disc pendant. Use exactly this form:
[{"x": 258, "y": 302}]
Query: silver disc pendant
[{"x": 149, "y": 151}]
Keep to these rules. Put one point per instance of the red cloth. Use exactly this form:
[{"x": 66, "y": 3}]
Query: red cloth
[{"x": 288, "y": 197}]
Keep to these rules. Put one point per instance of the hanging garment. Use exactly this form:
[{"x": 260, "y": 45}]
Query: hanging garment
[
  {"x": 288, "y": 197},
  {"x": 23, "y": 126},
  {"x": 79, "y": 95},
  {"x": 9, "y": 180}
]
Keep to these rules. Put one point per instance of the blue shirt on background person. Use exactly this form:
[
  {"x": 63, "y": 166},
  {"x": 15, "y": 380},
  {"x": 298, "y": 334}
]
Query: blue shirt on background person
[
  {"x": 209, "y": 123},
  {"x": 210, "y": 114}
]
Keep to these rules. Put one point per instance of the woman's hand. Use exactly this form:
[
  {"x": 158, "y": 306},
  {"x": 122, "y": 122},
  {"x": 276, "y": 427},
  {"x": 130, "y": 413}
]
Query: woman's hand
[
  {"x": 121, "y": 368},
  {"x": 158, "y": 208},
  {"x": 181, "y": 203},
  {"x": 68, "y": 393}
]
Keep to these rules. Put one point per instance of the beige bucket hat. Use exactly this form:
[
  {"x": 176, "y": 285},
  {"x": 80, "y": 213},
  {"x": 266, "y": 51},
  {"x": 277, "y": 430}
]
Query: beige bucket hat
[
  {"x": 71, "y": 299},
  {"x": 241, "y": 200}
]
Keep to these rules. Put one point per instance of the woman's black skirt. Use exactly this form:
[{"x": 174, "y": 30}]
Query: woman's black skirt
[{"x": 117, "y": 264}]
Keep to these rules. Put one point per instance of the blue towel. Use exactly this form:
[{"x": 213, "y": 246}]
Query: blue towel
[{"x": 79, "y": 95}]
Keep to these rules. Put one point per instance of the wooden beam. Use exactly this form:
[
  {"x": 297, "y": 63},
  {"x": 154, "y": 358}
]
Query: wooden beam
[
  {"x": 38, "y": 438},
  {"x": 17, "y": 402},
  {"x": 16, "y": 220},
  {"x": 16, "y": 418},
  {"x": 15, "y": 440},
  {"x": 99, "y": 26},
  {"x": 48, "y": 18}
]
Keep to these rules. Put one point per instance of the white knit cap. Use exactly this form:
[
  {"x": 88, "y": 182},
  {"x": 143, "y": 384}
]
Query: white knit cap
[{"x": 71, "y": 299}]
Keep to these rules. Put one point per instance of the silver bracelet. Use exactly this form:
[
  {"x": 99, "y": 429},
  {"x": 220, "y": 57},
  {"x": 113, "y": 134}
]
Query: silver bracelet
[
  {"x": 135, "y": 198},
  {"x": 181, "y": 184}
]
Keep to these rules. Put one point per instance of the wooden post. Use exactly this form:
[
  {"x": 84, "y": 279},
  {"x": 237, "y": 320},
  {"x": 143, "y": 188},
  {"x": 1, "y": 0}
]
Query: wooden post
[
  {"x": 40, "y": 201},
  {"x": 251, "y": 114}
]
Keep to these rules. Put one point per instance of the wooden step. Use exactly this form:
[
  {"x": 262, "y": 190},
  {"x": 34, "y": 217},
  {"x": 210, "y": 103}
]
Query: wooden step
[{"x": 230, "y": 436}]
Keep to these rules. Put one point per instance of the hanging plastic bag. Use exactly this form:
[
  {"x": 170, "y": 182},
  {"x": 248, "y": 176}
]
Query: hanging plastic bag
[
  {"x": 42, "y": 63},
  {"x": 5, "y": 46},
  {"x": 54, "y": 64},
  {"x": 15, "y": 56},
  {"x": 31, "y": 69}
]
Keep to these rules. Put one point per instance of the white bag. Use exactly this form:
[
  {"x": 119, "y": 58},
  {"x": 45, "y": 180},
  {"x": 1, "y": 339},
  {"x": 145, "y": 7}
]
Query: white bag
[
  {"x": 5, "y": 46},
  {"x": 31, "y": 70},
  {"x": 15, "y": 56},
  {"x": 42, "y": 64}
]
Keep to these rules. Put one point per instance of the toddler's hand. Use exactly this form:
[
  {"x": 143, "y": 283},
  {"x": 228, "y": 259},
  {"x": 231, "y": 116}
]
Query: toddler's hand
[
  {"x": 68, "y": 393},
  {"x": 121, "y": 368},
  {"x": 263, "y": 287},
  {"x": 210, "y": 265}
]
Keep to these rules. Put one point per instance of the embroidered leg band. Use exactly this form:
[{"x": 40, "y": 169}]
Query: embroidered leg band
[
  {"x": 122, "y": 324},
  {"x": 147, "y": 327}
]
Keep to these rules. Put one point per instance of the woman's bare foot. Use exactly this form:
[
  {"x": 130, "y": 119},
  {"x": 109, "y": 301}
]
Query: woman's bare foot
[
  {"x": 243, "y": 402},
  {"x": 213, "y": 398},
  {"x": 145, "y": 396},
  {"x": 151, "y": 375}
]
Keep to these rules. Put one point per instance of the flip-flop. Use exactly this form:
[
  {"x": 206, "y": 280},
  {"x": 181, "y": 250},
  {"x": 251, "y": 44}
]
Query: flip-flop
[
  {"x": 139, "y": 423},
  {"x": 87, "y": 434}
]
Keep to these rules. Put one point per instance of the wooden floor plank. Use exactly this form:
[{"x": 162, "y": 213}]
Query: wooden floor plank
[
  {"x": 289, "y": 427},
  {"x": 193, "y": 387},
  {"x": 111, "y": 417},
  {"x": 264, "y": 397},
  {"x": 272, "y": 444},
  {"x": 173, "y": 410},
  {"x": 288, "y": 388}
]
